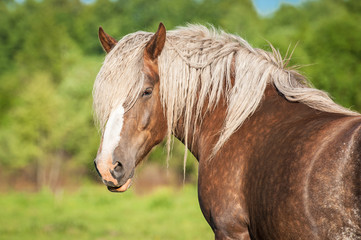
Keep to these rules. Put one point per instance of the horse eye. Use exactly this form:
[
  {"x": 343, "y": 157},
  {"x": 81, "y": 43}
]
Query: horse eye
[{"x": 147, "y": 92}]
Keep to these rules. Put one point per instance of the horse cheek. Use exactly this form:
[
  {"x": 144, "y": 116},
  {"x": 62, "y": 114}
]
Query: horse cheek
[{"x": 145, "y": 120}]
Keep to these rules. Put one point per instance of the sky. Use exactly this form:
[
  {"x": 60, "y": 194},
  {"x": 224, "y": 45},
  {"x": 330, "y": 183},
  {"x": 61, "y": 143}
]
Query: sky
[{"x": 265, "y": 7}]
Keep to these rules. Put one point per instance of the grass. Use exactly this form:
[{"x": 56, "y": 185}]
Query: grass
[{"x": 94, "y": 213}]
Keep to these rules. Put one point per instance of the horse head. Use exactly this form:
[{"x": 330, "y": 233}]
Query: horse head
[{"x": 129, "y": 135}]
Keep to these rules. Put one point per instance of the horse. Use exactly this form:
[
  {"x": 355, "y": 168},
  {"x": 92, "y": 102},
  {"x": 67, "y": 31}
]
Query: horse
[{"x": 278, "y": 159}]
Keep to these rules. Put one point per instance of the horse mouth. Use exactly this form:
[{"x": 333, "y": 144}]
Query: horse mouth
[{"x": 122, "y": 188}]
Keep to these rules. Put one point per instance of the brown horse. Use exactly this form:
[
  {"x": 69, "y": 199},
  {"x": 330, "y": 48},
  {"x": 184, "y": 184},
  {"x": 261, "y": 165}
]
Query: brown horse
[{"x": 278, "y": 159}]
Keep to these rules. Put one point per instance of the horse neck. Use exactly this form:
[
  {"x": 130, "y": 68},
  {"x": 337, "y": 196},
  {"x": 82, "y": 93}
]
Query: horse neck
[
  {"x": 204, "y": 131},
  {"x": 272, "y": 111}
]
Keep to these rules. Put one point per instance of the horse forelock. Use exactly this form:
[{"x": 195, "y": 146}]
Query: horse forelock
[
  {"x": 195, "y": 69},
  {"x": 120, "y": 79}
]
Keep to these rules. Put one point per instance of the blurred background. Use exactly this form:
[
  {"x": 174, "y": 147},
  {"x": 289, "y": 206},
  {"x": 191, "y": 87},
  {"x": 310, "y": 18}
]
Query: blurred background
[{"x": 49, "y": 57}]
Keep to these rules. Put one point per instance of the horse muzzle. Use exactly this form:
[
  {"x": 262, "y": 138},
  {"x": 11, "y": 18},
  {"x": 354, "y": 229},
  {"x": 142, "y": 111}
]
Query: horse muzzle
[
  {"x": 122, "y": 188},
  {"x": 117, "y": 177}
]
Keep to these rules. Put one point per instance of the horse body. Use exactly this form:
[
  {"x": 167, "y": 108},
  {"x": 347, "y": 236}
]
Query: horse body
[
  {"x": 288, "y": 171},
  {"x": 283, "y": 184}
]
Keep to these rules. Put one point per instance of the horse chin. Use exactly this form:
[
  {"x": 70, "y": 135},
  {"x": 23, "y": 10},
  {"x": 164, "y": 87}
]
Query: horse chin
[{"x": 122, "y": 188}]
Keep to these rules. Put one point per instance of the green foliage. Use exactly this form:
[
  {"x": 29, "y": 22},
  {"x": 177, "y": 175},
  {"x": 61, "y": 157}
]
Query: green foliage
[
  {"x": 50, "y": 56},
  {"x": 30, "y": 124}
]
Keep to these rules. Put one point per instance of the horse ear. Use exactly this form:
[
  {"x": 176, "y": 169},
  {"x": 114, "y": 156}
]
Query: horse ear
[
  {"x": 155, "y": 45},
  {"x": 107, "y": 41}
]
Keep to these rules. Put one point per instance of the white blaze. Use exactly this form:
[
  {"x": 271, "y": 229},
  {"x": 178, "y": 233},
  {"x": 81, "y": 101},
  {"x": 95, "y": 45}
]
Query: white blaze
[{"x": 112, "y": 131}]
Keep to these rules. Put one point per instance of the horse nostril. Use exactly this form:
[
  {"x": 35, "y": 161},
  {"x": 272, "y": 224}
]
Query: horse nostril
[
  {"x": 118, "y": 171},
  {"x": 118, "y": 167}
]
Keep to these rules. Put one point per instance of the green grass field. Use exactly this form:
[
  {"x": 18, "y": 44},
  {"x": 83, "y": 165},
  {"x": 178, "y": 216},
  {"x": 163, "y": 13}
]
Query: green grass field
[{"x": 94, "y": 213}]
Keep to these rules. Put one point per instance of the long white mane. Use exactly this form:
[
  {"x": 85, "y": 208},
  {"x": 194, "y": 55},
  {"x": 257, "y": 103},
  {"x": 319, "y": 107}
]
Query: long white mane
[{"x": 195, "y": 69}]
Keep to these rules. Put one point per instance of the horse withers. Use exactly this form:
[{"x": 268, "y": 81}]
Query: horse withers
[{"x": 278, "y": 159}]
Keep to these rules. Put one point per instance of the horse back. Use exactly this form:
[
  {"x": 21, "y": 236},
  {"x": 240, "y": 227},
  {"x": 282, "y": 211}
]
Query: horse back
[
  {"x": 332, "y": 196},
  {"x": 307, "y": 172}
]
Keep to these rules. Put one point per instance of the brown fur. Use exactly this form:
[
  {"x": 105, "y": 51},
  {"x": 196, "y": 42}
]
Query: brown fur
[{"x": 260, "y": 188}]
